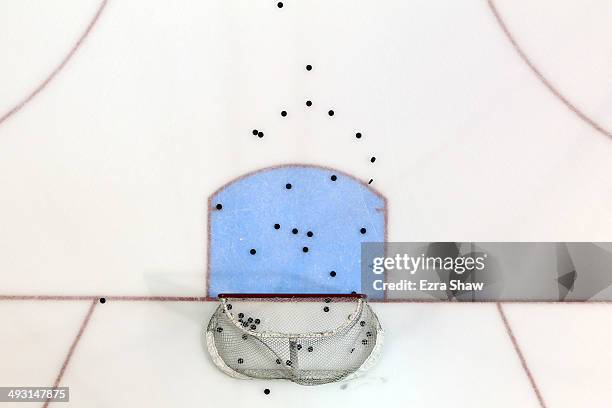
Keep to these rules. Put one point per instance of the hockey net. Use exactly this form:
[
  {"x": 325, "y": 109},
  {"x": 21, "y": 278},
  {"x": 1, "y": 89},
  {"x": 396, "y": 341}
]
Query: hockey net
[{"x": 308, "y": 339}]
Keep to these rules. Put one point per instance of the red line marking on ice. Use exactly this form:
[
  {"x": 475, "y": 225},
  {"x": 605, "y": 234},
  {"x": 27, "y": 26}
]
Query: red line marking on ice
[
  {"x": 58, "y": 68},
  {"x": 144, "y": 298},
  {"x": 520, "y": 355},
  {"x": 116, "y": 298},
  {"x": 545, "y": 81},
  {"x": 75, "y": 342}
]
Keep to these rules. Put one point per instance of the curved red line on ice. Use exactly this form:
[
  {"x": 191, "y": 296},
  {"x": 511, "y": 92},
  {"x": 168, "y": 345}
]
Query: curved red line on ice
[
  {"x": 58, "y": 68},
  {"x": 548, "y": 84}
]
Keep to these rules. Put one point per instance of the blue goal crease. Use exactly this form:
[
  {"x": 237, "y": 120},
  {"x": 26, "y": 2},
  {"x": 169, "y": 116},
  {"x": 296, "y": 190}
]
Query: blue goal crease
[{"x": 248, "y": 254}]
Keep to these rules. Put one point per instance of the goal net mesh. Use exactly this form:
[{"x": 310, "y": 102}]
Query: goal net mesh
[{"x": 309, "y": 340}]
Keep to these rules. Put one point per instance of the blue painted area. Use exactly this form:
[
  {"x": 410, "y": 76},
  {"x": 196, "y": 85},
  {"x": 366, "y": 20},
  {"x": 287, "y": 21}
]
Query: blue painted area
[{"x": 334, "y": 211}]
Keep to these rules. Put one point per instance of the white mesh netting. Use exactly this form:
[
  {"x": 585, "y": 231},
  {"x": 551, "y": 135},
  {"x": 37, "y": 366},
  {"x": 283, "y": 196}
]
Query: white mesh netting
[{"x": 309, "y": 339}]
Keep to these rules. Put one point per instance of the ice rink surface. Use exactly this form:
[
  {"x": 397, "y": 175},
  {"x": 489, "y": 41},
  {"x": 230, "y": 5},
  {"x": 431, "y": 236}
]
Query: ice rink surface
[{"x": 489, "y": 121}]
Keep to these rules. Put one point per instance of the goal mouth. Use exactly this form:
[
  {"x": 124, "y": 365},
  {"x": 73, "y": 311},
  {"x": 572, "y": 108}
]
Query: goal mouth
[
  {"x": 291, "y": 295},
  {"x": 335, "y": 313}
]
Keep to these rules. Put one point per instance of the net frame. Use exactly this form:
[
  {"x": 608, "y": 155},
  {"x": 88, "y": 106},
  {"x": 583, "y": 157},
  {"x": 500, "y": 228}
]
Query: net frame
[{"x": 359, "y": 299}]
